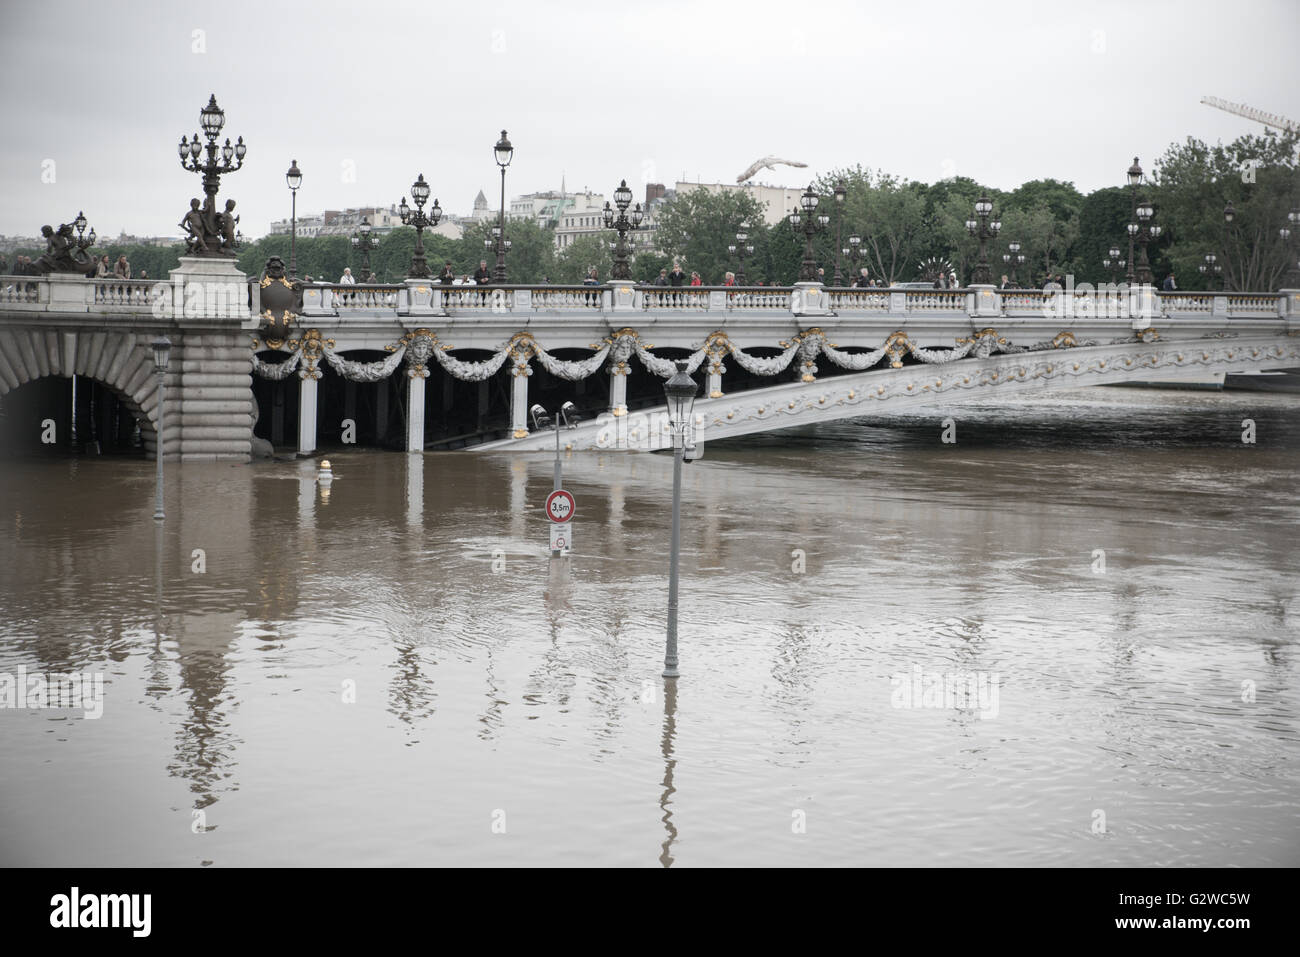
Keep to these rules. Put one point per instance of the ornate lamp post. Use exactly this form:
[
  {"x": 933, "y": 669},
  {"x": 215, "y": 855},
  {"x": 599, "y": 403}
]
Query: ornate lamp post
[
  {"x": 504, "y": 153},
  {"x": 1114, "y": 263},
  {"x": 1143, "y": 232},
  {"x": 810, "y": 223},
  {"x": 623, "y": 224},
  {"x": 1134, "y": 180},
  {"x": 983, "y": 229},
  {"x": 1013, "y": 258},
  {"x": 854, "y": 253},
  {"x": 161, "y": 346},
  {"x": 680, "y": 390},
  {"x": 421, "y": 222},
  {"x": 83, "y": 242},
  {"x": 363, "y": 242},
  {"x": 294, "y": 179},
  {"x": 840, "y": 192},
  {"x": 211, "y": 119},
  {"x": 740, "y": 249},
  {"x": 1210, "y": 269},
  {"x": 1289, "y": 233}
]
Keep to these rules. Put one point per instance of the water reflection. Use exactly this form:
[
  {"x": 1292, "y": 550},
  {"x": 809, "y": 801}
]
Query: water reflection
[{"x": 666, "y": 746}]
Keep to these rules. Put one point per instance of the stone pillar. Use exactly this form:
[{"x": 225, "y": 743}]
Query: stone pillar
[
  {"x": 414, "y": 489},
  {"x": 618, "y": 388},
  {"x": 415, "y": 408},
  {"x": 809, "y": 299},
  {"x": 210, "y": 397},
  {"x": 519, "y": 398},
  {"x": 714, "y": 385},
  {"x": 307, "y": 410},
  {"x": 983, "y": 302}
]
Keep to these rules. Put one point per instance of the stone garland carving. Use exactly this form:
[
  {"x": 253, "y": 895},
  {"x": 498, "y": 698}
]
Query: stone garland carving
[
  {"x": 417, "y": 347},
  {"x": 275, "y": 371},
  {"x": 572, "y": 371},
  {"x": 364, "y": 371}
]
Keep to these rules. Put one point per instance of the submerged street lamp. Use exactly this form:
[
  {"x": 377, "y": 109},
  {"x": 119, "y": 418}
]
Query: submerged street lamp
[
  {"x": 161, "y": 347},
  {"x": 680, "y": 390},
  {"x": 421, "y": 222},
  {"x": 567, "y": 416}
]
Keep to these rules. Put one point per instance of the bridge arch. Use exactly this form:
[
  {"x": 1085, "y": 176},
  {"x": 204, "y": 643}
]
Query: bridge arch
[{"x": 122, "y": 362}]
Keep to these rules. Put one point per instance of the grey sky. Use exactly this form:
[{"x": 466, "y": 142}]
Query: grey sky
[{"x": 1001, "y": 92}]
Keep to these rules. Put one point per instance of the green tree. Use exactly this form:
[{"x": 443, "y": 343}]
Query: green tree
[
  {"x": 575, "y": 259},
  {"x": 1259, "y": 175},
  {"x": 696, "y": 227},
  {"x": 531, "y": 256}
]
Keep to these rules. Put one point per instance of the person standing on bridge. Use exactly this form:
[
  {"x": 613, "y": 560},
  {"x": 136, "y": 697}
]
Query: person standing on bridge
[
  {"x": 1169, "y": 284},
  {"x": 863, "y": 281},
  {"x": 346, "y": 279},
  {"x": 677, "y": 277},
  {"x": 662, "y": 280},
  {"x": 481, "y": 275},
  {"x": 695, "y": 279},
  {"x": 448, "y": 275},
  {"x": 122, "y": 269}
]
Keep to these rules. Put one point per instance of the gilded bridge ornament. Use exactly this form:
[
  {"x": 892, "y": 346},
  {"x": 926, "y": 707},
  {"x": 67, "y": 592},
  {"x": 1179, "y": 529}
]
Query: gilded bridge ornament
[{"x": 281, "y": 301}]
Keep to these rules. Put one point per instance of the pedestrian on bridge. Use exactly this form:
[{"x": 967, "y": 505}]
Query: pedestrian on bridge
[
  {"x": 122, "y": 269},
  {"x": 662, "y": 280},
  {"x": 1169, "y": 285},
  {"x": 448, "y": 275},
  {"x": 695, "y": 279},
  {"x": 481, "y": 275},
  {"x": 677, "y": 277},
  {"x": 863, "y": 280},
  {"x": 346, "y": 279}
]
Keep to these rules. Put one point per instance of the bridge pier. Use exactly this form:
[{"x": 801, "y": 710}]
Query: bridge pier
[{"x": 519, "y": 399}]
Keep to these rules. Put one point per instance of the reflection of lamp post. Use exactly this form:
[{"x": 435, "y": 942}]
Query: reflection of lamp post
[
  {"x": 622, "y": 225},
  {"x": 840, "y": 192},
  {"x": 161, "y": 346},
  {"x": 504, "y": 153},
  {"x": 294, "y": 179},
  {"x": 418, "y": 219},
  {"x": 982, "y": 229},
  {"x": 810, "y": 224},
  {"x": 1134, "y": 179},
  {"x": 680, "y": 390},
  {"x": 364, "y": 242}
]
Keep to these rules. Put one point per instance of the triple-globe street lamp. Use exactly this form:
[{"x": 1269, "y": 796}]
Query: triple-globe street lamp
[
  {"x": 622, "y": 223},
  {"x": 853, "y": 251},
  {"x": 1114, "y": 263},
  {"x": 984, "y": 226},
  {"x": 363, "y": 242},
  {"x": 1013, "y": 258},
  {"x": 211, "y": 119},
  {"x": 1134, "y": 175},
  {"x": 807, "y": 220},
  {"x": 1142, "y": 232},
  {"x": 421, "y": 221},
  {"x": 840, "y": 192},
  {"x": 740, "y": 249},
  {"x": 1211, "y": 270}
]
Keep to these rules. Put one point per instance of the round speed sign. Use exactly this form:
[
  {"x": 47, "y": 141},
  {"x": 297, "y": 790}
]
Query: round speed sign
[{"x": 559, "y": 506}]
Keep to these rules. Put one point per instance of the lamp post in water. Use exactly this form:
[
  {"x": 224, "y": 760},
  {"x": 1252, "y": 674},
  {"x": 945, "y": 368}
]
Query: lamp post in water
[
  {"x": 680, "y": 390},
  {"x": 161, "y": 346},
  {"x": 541, "y": 419}
]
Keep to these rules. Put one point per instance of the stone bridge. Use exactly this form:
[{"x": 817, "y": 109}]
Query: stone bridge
[{"x": 770, "y": 357}]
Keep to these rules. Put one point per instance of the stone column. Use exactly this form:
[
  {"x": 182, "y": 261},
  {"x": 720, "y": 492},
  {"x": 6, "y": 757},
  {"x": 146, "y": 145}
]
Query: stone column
[
  {"x": 307, "y": 410},
  {"x": 519, "y": 396},
  {"x": 618, "y": 388},
  {"x": 415, "y": 408}
]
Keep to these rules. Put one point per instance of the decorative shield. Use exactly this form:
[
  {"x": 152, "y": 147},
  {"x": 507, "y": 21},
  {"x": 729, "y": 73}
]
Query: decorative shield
[{"x": 281, "y": 302}]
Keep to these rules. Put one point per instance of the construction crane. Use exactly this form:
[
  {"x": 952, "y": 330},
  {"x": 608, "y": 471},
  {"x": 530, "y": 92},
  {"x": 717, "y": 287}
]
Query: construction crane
[{"x": 1250, "y": 113}]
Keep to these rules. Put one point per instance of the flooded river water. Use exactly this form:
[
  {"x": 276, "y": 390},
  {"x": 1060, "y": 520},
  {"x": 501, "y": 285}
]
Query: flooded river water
[{"x": 399, "y": 673}]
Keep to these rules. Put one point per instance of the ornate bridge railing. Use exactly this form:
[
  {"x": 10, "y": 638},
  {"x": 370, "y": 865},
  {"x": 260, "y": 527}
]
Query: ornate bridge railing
[{"x": 135, "y": 293}]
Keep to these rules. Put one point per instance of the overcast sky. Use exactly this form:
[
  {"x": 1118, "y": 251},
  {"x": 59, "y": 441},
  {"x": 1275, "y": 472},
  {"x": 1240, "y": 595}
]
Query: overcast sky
[{"x": 367, "y": 95}]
